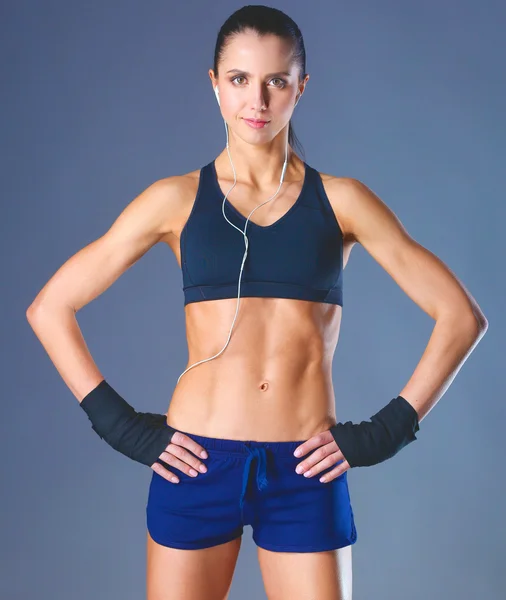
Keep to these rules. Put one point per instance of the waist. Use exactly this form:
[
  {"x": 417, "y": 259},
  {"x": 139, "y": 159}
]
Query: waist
[{"x": 229, "y": 404}]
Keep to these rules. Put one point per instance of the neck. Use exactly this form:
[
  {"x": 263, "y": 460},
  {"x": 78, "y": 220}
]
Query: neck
[{"x": 258, "y": 166}]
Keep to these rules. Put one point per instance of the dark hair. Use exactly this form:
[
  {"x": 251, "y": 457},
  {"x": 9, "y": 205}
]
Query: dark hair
[{"x": 264, "y": 20}]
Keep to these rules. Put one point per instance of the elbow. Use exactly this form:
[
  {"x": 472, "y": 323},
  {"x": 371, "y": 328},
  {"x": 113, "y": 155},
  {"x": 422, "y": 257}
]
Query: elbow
[
  {"x": 30, "y": 312},
  {"x": 41, "y": 309},
  {"x": 470, "y": 317},
  {"x": 33, "y": 314},
  {"x": 480, "y": 320},
  {"x": 482, "y": 326},
  {"x": 470, "y": 323},
  {"x": 35, "y": 307},
  {"x": 476, "y": 323},
  {"x": 37, "y": 310}
]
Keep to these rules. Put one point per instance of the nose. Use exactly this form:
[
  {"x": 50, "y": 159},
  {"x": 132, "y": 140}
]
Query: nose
[{"x": 259, "y": 97}]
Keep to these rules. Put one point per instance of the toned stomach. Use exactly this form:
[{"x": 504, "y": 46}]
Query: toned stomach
[{"x": 273, "y": 381}]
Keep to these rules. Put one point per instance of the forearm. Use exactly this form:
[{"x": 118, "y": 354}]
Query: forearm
[
  {"x": 58, "y": 331},
  {"x": 452, "y": 341}
]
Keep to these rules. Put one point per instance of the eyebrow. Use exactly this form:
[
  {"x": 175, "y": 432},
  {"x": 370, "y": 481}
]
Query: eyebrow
[{"x": 268, "y": 75}]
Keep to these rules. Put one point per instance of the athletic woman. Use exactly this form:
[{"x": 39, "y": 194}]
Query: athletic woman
[{"x": 262, "y": 239}]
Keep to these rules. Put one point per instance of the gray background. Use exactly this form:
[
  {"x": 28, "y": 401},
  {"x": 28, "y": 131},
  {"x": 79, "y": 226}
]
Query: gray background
[{"x": 100, "y": 99}]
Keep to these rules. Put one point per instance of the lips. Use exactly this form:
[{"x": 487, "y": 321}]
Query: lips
[{"x": 256, "y": 120}]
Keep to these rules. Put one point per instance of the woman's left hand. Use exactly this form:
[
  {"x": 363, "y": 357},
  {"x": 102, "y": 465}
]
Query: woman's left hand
[{"x": 328, "y": 454}]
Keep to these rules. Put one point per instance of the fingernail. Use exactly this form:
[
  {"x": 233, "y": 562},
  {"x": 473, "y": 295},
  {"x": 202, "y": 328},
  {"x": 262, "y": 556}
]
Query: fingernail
[
  {"x": 203, "y": 454},
  {"x": 307, "y": 473},
  {"x": 299, "y": 469},
  {"x": 202, "y": 468},
  {"x": 174, "y": 479},
  {"x": 193, "y": 472},
  {"x": 297, "y": 453}
]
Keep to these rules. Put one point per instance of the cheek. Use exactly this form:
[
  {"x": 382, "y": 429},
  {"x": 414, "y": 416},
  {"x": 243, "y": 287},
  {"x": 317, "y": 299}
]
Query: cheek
[
  {"x": 229, "y": 114},
  {"x": 287, "y": 106},
  {"x": 231, "y": 103}
]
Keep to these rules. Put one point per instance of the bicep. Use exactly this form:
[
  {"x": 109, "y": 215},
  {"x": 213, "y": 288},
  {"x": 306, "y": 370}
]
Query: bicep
[
  {"x": 419, "y": 272},
  {"x": 94, "y": 268}
]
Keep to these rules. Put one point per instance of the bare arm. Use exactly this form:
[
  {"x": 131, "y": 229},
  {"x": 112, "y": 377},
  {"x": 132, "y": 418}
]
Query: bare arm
[
  {"x": 460, "y": 323},
  {"x": 89, "y": 272}
]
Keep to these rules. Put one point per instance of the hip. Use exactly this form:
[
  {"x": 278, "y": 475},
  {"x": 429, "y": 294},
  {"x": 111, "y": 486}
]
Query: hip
[{"x": 260, "y": 419}]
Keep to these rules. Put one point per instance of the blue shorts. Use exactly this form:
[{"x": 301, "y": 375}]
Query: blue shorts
[{"x": 250, "y": 483}]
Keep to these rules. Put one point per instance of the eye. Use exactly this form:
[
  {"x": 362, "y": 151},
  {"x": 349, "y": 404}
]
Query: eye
[
  {"x": 283, "y": 82},
  {"x": 281, "y": 85},
  {"x": 238, "y": 77}
]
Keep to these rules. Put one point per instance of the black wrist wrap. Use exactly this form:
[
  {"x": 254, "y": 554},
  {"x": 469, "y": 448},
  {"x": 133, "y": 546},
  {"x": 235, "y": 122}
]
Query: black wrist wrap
[
  {"x": 140, "y": 436},
  {"x": 370, "y": 443}
]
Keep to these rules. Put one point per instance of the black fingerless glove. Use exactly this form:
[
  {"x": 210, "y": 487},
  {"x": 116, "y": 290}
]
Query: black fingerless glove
[
  {"x": 372, "y": 442},
  {"x": 140, "y": 436}
]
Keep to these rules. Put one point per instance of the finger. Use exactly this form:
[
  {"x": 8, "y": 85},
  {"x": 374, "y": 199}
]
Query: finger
[
  {"x": 339, "y": 470},
  {"x": 166, "y": 474},
  {"x": 328, "y": 462},
  {"x": 325, "y": 437},
  {"x": 184, "y": 456},
  {"x": 183, "y": 440},
  {"x": 174, "y": 461},
  {"x": 318, "y": 455}
]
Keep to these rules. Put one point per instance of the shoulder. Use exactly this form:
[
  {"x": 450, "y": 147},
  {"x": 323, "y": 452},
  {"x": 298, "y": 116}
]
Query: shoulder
[
  {"x": 178, "y": 185},
  {"x": 355, "y": 205},
  {"x": 339, "y": 191},
  {"x": 175, "y": 195}
]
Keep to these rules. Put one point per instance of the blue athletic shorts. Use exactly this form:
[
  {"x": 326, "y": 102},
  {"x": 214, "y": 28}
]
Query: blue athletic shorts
[{"x": 251, "y": 483}]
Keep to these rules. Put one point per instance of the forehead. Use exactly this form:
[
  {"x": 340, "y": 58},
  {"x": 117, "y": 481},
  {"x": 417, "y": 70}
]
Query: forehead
[{"x": 248, "y": 50}]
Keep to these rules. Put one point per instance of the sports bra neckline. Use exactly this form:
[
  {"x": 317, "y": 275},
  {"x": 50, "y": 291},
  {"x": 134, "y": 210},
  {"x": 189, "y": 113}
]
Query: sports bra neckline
[{"x": 250, "y": 222}]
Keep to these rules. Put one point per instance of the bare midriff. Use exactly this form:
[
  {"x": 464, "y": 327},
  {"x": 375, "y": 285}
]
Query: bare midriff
[{"x": 273, "y": 381}]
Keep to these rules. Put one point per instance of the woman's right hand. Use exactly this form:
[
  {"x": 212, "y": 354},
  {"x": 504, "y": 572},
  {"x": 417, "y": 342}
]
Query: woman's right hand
[{"x": 176, "y": 455}]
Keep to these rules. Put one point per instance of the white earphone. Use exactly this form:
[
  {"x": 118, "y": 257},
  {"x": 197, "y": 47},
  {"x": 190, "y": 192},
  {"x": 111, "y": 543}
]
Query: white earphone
[{"x": 246, "y": 241}]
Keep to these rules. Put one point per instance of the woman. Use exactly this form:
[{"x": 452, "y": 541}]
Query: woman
[{"x": 272, "y": 237}]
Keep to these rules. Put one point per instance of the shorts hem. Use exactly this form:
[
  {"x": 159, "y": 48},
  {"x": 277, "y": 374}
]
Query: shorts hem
[
  {"x": 196, "y": 545},
  {"x": 299, "y": 548}
]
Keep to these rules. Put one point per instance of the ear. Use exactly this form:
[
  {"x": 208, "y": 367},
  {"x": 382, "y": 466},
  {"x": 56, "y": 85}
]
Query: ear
[{"x": 302, "y": 89}]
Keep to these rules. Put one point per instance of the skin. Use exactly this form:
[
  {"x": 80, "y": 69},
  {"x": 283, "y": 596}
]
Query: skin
[
  {"x": 277, "y": 365},
  {"x": 256, "y": 160}
]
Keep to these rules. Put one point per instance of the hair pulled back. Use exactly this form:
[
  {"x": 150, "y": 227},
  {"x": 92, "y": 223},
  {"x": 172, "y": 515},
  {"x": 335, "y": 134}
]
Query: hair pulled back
[{"x": 264, "y": 20}]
